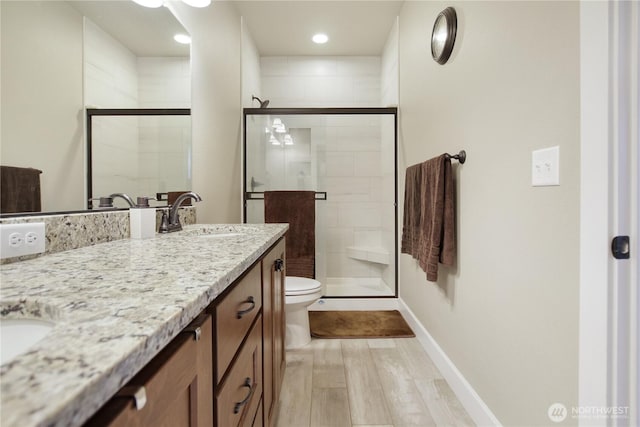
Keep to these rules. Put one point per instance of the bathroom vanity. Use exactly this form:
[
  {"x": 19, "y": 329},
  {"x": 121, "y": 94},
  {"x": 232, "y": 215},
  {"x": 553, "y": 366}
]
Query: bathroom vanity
[{"x": 186, "y": 328}]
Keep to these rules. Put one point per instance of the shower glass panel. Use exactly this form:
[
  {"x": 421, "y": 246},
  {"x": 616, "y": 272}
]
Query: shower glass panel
[
  {"x": 348, "y": 157},
  {"x": 141, "y": 152}
]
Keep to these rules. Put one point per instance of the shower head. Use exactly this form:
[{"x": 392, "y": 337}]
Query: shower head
[{"x": 263, "y": 104}]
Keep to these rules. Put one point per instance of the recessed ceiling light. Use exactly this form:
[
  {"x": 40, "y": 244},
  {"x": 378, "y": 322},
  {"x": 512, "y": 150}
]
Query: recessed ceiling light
[
  {"x": 320, "y": 38},
  {"x": 182, "y": 38}
]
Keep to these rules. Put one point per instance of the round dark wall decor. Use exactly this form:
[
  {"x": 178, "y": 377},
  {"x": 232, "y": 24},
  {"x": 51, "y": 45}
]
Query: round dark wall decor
[{"x": 444, "y": 35}]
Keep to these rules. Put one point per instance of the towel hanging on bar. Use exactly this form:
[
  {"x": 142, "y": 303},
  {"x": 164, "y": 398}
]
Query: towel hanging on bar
[{"x": 429, "y": 215}]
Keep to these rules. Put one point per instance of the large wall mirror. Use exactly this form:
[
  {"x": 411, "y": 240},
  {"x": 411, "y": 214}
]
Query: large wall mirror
[{"x": 60, "y": 58}]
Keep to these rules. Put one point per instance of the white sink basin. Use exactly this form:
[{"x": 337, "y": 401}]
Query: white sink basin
[{"x": 18, "y": 335}]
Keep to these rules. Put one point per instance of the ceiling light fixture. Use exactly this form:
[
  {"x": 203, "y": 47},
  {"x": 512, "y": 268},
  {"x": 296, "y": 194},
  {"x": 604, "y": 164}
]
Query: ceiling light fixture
[
  {"x": 320, "y": 38},
  {"x": 182, "y": 38}
]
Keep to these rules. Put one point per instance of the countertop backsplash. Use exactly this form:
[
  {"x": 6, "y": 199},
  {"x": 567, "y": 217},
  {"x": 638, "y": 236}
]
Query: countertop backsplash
[{"x": 77, "y": 230}]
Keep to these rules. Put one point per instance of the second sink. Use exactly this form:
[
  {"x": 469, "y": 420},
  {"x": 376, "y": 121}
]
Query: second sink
[{"x": 18, "y": 335}]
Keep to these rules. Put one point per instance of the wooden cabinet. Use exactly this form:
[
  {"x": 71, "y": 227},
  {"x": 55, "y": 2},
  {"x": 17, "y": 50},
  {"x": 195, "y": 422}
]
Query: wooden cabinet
[
  {"x": 273, "y": 274},
  {"x": 234, "y": 315},
  {"x": 238, "y": 355},
  {"x": 238, "y": 395},
  {"x": 173, "y": 390},
  {"x": 224, "y": 370}
]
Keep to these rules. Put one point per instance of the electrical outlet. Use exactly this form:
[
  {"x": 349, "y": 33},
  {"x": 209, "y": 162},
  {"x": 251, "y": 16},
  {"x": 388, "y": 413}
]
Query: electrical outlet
[{"x": 21, "y": 239}]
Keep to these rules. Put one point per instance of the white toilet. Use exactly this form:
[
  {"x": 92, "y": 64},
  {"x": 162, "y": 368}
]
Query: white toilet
[{"x": 300, "y": 293}]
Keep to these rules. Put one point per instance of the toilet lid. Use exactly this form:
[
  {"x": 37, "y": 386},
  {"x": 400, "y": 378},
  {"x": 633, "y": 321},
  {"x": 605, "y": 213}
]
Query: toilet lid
[{"x": 301, "y": 286}]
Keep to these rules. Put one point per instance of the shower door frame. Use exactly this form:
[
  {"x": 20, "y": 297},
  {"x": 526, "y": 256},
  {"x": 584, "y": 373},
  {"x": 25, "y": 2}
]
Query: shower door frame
[{"x": 331, "y": 111}]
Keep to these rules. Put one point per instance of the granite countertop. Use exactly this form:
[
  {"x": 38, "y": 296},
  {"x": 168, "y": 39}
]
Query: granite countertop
[{"x": 115, "y": 306}]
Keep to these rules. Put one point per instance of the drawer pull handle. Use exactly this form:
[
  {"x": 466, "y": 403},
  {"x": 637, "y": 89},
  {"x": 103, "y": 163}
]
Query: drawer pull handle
[
  {"x": 251, "y": 301},
  {"x": 138, "y": 394},
  {"x": 196, "y": 331},
  {"x": 279, "y": 265},
  {"x": 238, "y": 405}
]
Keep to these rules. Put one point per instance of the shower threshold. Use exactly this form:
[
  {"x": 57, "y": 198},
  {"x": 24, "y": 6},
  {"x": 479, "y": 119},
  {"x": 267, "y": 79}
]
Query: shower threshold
[{"x": 357, "y": 287}]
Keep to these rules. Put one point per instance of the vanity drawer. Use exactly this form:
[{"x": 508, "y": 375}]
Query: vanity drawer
[
  {"x": 239, "y": 397},
  {"x": 234, "y": 315},
  {"x": 173, "y": 390}
]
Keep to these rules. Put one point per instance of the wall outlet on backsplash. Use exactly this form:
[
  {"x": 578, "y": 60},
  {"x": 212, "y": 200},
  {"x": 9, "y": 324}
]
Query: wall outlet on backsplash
[
  {"x": 21, "y": 239},
  {"x": 77, "y": 230}
]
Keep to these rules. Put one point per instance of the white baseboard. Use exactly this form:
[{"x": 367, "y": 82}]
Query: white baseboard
[
  {"x": 477, "y": 409},
  {"x": 326, "y": 304}
]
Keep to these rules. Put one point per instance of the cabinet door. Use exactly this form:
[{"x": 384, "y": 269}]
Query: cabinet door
[
  {"x": 273, "y": 275},
  {"x": 174, "y": 390},
  {"x": 239, "y": 395}
]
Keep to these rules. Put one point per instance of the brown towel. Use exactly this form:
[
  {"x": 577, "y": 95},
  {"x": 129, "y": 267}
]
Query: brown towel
[
  {"x": 173, "y": 195},
  {"x": 298, "y": 208},
  {"x": 19, "y": 189},
  {"x": 429, "y": 217},
  {"x": 412, "y": 210}
]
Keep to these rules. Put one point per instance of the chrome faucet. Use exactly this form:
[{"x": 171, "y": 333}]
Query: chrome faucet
[
  {"x": 124, "y": 196},
  {"x": 172, "y": 223}
]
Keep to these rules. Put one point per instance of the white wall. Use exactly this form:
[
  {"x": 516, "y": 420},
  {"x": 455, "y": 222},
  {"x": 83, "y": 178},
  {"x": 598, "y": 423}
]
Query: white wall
[
  {"x": 507, "y": 313},
  {"x": 41, "y": 89},
  {"x": 251, "y": 82},
  {"x": 216, "y": 104}
]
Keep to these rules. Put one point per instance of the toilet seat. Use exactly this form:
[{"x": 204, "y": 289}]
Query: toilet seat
[{"x": 301, "y": 286}]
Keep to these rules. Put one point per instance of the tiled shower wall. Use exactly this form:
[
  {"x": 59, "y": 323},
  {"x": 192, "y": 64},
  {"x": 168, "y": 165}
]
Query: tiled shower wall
[
  {"x": 321, "y": 81},
  {"x": 357, "y": 200},
  {"x": 110, "y": 76},
  {"x": 354, "y": 167},
  {"x": 138, "y": 148}
]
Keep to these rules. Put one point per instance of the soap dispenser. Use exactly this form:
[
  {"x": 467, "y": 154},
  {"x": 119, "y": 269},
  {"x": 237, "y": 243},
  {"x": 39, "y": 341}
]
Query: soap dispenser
[{"x": 142, "y": 219}]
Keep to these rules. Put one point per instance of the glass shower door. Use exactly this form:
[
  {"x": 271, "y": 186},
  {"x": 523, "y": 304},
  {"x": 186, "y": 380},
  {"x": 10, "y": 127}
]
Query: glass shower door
[{"x": 349, "y": 160}]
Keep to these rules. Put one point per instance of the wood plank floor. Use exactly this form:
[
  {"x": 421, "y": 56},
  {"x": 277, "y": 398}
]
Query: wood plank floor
[{"x": 358, "y": 383}]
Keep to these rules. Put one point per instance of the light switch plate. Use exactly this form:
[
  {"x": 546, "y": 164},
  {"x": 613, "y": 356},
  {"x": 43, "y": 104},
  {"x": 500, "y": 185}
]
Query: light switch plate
[{"x": 545, "y": 167}]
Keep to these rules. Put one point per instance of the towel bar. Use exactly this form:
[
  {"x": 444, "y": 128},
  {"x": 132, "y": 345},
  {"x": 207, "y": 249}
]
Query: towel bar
[
  {"x": 259, "y": 195},
  {"x": 461, "y": 156}
]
